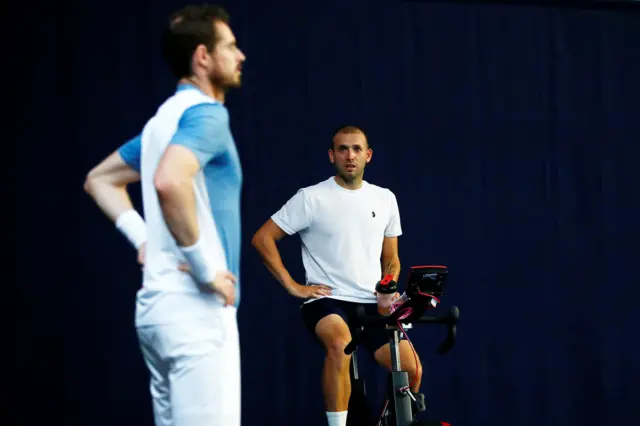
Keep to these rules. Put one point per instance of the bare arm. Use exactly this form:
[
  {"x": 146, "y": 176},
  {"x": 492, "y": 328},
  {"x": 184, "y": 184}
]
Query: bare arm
[
  {"x": 390, "y": 258},
  {"x": 174, "y": 184},
  {"x": 264, "y": 241},
  {"x": 107, "y": 185}
]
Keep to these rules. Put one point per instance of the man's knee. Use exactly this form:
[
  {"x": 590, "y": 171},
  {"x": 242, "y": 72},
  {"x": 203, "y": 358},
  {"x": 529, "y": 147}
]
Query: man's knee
[
  {"x": 409, "y": 360},
  {"x": 334, "y": 334}
]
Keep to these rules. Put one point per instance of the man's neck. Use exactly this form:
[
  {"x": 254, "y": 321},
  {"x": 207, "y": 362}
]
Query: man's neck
[
  {"x": 206, "y": 87},
  {"x": 354, "y": 184}
]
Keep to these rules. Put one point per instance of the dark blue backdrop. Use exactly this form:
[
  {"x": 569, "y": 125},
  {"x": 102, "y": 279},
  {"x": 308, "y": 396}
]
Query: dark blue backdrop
[{"x": 509, "y": 134}]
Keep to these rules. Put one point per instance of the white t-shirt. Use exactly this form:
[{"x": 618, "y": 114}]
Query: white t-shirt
[{"x": 342, "y": 232}]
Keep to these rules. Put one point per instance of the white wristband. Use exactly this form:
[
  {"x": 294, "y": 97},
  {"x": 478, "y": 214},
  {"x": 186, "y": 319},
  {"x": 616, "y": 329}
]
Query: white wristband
[
  {"x": 201, "y": 269},
  {"x": 133, "y": 227}
]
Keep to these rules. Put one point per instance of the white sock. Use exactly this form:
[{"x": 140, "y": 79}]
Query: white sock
[{"x": 337, "y": 418}]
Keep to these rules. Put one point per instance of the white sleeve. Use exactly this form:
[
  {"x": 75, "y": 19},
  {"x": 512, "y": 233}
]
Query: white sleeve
[
  {"x": 393, "y": 228},
  {"x": 295, "y": 215}
]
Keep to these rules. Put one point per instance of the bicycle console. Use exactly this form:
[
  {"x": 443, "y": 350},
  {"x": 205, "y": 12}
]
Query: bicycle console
[
  {"x": 425, "y": 285},
  {"x": 427, "y": 280}
]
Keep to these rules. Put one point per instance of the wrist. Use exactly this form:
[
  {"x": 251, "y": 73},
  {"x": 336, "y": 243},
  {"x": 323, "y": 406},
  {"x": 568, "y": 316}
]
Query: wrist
[
  {"x": 132, "y": 226},
  {"x": 290, "y": 285},
  {"x": 199, "y": 264}
]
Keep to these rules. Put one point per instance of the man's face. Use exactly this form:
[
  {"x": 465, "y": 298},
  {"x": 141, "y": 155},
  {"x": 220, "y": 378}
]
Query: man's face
[
  {"x": 350, "y": 154},
  {"x": 226, "y": 59}
]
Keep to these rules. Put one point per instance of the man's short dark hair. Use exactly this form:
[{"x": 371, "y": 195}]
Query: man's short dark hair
[
  {"x": 188, "y": 28},
  {"x": 348, "y": 130}
]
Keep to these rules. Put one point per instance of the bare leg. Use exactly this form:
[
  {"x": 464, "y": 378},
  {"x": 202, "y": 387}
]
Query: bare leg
[
  {"x": 409, "y": 362},
  {"x": 334, "y": 334}
]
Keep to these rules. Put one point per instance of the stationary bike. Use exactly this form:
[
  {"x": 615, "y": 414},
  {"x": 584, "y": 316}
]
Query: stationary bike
[{"x": 424, "y": 288}]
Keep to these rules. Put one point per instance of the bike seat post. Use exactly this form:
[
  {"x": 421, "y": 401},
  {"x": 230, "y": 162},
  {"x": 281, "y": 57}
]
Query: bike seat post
[
  {"x": 354, "y": 365},
  {"x": 394, "y": 346}
]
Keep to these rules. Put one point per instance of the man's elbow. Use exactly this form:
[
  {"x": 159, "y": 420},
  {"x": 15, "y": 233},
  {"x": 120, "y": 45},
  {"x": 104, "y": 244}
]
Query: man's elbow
[
  {"x": 90, "y": 183},
  {"x": 261, "y": 239},
  {"x": 166, "y": 183},
  {"x": 257, "y": 239}
]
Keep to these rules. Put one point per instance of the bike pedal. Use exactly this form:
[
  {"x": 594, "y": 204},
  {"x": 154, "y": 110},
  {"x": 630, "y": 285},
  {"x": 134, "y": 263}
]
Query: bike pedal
[{"x": 420, "y": 403}]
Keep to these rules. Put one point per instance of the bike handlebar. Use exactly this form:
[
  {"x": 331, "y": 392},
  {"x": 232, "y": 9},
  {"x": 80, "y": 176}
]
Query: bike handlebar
[{"x": 450, "y": 320}]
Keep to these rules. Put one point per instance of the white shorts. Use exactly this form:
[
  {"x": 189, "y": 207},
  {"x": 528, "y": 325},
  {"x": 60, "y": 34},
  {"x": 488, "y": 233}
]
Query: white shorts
[{"x": 195, "y": 370}]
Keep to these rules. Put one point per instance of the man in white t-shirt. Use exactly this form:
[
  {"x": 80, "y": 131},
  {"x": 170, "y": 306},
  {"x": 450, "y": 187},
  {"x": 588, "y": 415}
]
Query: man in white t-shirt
[{"x": 349, "y": 231}]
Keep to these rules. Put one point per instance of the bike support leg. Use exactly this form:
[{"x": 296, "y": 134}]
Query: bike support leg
[{"x": 400, "y": 392}]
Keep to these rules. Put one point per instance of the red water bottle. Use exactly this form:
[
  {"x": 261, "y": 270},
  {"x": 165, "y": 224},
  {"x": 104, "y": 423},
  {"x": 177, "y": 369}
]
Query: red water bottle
[{"x": 385, "y": 292}]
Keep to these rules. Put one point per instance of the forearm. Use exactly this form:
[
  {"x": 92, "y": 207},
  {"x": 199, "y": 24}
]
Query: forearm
[
  {"x": 391, "y": 267},
  {"x": 112, "y": 200},
  {"x": 107, "y": 184},
  {"x": 271, "y": 258},
  {"x": 178, "y": 205}
]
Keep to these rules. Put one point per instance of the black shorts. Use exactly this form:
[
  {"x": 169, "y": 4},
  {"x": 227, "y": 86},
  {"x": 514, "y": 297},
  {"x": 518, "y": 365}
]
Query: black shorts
[{"x": 373, "y": 337}]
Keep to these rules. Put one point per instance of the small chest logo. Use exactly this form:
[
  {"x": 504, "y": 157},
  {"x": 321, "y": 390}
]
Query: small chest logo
[{"x": 373, "y": 214}]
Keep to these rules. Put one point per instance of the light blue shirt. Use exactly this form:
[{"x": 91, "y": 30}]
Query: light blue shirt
[{"x": 204, "y": 129}]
